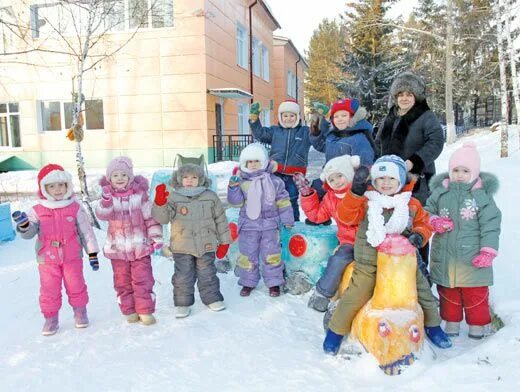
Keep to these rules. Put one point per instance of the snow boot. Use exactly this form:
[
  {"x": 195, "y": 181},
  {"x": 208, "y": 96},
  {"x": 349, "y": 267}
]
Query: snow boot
[
  {"x": 80, "y": 317},
  {"x": 452, "y": 328},
  {"x": 479, "y": 331},
  {"x": 132, "y": 318},
  {"x": 308, "y": 222},
  {"x": 246, "y": 291},
  {"x": 147, "y": 319},
  {"x": 217, "y": 306},
  {"x": 318, "y": 302},
  {"x": 274, "y": 291},
  {"x": 182, "y": 311},
  {"x": 332, "y": 342},
  {"x": 438, "y": 337},
  {"x": 51, "y": 326}
]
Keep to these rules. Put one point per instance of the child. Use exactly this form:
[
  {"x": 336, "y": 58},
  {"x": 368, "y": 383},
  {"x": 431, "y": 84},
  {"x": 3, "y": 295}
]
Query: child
[
  {"x": 63, "y": 228},
  {"x": 337, "y": 176},
  {"x": 132, "y": 237},
  {"x": 388, "y": 209},
  {"x": 467, "y": 226},
  {"x": 198, "y": 229},
  {"x": 290, "y": 144},
  {"x": 264, "y": 206}
]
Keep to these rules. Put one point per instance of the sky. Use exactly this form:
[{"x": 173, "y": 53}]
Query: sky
[{"x": 299, "y": 18}]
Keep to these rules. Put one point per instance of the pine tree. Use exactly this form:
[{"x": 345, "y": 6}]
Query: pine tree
[{"x": 324, "y": 54}]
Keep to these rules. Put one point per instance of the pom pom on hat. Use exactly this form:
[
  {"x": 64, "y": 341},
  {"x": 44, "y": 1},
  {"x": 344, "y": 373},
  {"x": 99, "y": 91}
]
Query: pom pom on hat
[
  {"x": 389, "y": 166},
  {"x": 466, "y": 156},
  {"x": 344, "y": 164}
]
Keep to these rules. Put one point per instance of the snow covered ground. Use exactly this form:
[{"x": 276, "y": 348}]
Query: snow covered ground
[{"x": 256, "y": 344}]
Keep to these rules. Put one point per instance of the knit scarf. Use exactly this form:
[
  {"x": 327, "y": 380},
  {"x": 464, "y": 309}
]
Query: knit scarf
[
  {"x": 261, "y": 186},
  {"x": 190, "y": 191},
  {"x": 377, "y": 228}
]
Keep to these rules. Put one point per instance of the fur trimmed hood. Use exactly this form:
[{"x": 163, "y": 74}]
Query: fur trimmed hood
[{"x": 486, "y": 181}]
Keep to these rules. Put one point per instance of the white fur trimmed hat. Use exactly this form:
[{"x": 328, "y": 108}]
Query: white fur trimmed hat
[
  {"x": 408, "y": 81},
  {"x": 50, "y": 174},
  {"x": 344, "y": 164},
  {"x": 253, "y": 152},
  {"x": 289, "y": 106}
]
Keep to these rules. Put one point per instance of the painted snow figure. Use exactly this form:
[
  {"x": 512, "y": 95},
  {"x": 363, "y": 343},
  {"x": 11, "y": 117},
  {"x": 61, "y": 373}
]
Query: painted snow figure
[
  {"x": 63, "y": 229},
  {"x": 467, "y": 223},
  {"x": 265, "y": 205},
  {"x": 388, "y": 209},
  {"x": 132, "y": 237},
  {"x": 337, "y": 176},
  {"x": 290, "y": 143},
  {"x": 199, "y": 233}
]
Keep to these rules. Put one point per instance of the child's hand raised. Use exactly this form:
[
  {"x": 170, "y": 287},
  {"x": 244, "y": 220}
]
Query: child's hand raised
[
  {"x": 254, "y": 112},
  {"x": 161, "y": 195},
  {"x": 234, "y": 181},
  {"x": 360, "y": 180},
  {"x": 21, "y": 219}
]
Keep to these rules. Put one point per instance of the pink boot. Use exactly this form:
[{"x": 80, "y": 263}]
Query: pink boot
[
  {"x": 51, "y": 326},
  {"x": 80, "y": 316}
]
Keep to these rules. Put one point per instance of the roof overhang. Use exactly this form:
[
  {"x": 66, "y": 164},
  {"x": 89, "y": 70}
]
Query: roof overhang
[
  {"x": 12, "y": 162},
  {"x": 230, "y": 92}
]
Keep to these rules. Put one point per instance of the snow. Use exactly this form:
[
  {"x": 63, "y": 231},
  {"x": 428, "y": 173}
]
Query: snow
[{"x": 257, "y": 343}]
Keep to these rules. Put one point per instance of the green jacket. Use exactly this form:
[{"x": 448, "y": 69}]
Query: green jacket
[{"x": 477, "y": 225}]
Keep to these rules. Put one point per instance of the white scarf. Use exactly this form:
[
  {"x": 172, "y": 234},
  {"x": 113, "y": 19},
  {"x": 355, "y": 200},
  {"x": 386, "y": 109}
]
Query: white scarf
[{"x": 377, "y": 229}]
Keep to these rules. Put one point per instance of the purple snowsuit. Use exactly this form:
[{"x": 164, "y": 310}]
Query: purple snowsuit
[{"x": 258, "y": 226}]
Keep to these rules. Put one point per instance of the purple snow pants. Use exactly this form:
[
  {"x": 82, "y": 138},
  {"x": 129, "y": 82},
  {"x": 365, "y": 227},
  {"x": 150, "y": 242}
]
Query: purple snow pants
[
  {"x": 255, "y": 246},
  {"x": 133, "y": 282}
]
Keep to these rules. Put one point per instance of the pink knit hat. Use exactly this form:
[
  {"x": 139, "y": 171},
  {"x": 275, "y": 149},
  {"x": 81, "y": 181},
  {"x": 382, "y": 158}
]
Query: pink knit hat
[
  {"x": 468, "y": 157},
  {"x": 121, "y": 163}
]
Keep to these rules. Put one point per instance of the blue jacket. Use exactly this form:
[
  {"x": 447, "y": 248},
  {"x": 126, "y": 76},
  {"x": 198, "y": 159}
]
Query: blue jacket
[
  {"x": 351, "y": 141},
  {"x": 289, "y": 146}
]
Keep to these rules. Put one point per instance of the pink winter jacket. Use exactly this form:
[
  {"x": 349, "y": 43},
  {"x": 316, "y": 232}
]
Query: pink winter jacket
[
  {"x": 132, "y": 232},
  {"x": 63, "y": 228}
]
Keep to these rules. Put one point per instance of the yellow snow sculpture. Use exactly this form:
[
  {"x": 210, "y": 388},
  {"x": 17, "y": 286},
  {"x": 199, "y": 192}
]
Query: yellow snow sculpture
[{"x": 390, "y": 326}]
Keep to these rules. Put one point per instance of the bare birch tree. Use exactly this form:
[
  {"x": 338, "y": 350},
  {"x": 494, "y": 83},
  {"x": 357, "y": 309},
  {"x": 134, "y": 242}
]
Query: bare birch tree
[
  {"x": 450, "y": 119},
  {"x": 512, "y": 61}
]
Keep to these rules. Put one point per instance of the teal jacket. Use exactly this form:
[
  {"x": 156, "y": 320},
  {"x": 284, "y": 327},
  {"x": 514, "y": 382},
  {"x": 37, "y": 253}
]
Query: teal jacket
[{"x": 477, "y": 225}]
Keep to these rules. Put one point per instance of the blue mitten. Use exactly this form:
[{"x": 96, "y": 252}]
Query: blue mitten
[
  {"x": 21, "y": 219},
  {"x": 93, "y": 260}
]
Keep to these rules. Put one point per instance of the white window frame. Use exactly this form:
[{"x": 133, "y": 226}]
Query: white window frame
[
  {"x": 62, "y": 115},
  {"x": 291, "y": 84},
  {"x": 7, "y": 115},
  {"x": 265, "y": 117},
  {"x": 265, "y": 63},
  {"x": 243, "y": 118},
  {"x": 242, "y": 46}
]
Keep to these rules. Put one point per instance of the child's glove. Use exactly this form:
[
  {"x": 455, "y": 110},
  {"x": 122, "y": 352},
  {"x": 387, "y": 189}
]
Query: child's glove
[
  {"x": 321, "y": 108},
  {"x": 161, "y": 195},
  {"x": 234, "y": 181},
  {"x": 254, "y": 112},
  {"x": 416, "y": 240},
  {"x": 222, "y": 250},
  {"x": 21, "y": 219},
  {"x": 441, "y": 224},
  {"x": 156, "y": 245},
  {"x": 314, "y": 125},
  {"x": 106, "y": 196},
  {"x": 302, "y": 184},
  {"x": 93, "y": 261},
  {"x": 360, "y": 181},
  {"x": 485, "y": 258}
]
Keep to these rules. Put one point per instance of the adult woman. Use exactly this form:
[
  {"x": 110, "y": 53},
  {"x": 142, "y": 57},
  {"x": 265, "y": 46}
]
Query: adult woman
[{"x": 413, "y": 132}]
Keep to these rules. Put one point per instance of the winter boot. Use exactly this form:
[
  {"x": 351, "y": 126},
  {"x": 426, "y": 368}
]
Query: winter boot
[
  {"x": 438, "y": 337},
  {"x": 274, "y": 291},
  {"x": 217, "y": 306},
  {"x": 246, "y": 291},
  {"x": 308, "y": 222},
  {"x": 132, "y": 318},
  {"x": 477, "y": 331},
  {"x": 452, "y": 328},
  {"x": 51, "y": 326},
  {"x": 147, "y": 319},
  {"x": 318, "y": 302},
  {"x": 182, "y": 311},
  {"x": 332, "y": 342},
  {"x": 80, "y": 317}
]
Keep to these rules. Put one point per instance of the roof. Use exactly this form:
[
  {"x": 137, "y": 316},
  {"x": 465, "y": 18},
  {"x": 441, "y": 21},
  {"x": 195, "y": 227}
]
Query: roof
[
  {"x": 12, "y": 162},
  {"x": 284, "y": 41},
  {"x": 267, "y": 9}
]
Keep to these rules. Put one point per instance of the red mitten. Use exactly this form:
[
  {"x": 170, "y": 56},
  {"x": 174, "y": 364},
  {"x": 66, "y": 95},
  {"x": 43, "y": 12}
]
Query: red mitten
[
  {"x": 222, "y": 250},
  {"x": 302, "y": 184},
  {"x": 441, "y": 224},
  {"x": 485, "y": 258},
  {"x": 161, "y": 195}
]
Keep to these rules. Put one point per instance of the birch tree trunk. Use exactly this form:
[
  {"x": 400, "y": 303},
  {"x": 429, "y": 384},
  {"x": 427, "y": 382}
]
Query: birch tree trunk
[
  {"x": 450, "y": 121},
  {"x": 504, "y": 107},
  {"x": 514, "y": 74}
]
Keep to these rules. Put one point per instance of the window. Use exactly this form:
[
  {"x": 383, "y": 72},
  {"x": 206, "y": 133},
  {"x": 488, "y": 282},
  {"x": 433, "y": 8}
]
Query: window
[
  {"x": 260, "y": 60},
  {"x": 265, "y": 63},
  {"x": 265, "y": 117},
  {"x": 117, "y": 15},
  {"x": 242, "y": 46},
  {"x": 57, "y": 115},
  {"x": 243, "y": 117},
  {"x": 10, "y": 125},
  {"x": 257, "y": 52},
  {"x": 291, "y": 84},
  {"x": 7, "y": 37}
]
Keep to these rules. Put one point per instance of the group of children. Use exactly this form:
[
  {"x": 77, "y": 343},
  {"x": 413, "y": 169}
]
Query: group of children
[{"x": 367, "y": 199}]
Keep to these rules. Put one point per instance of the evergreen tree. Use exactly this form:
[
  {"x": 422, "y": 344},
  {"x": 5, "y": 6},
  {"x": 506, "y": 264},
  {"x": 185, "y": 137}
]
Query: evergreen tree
[{"x": 324, "y": 54}]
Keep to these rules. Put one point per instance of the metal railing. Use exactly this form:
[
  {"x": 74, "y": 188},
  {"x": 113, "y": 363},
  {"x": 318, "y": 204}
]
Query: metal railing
[{"x": 229, "y": 147}]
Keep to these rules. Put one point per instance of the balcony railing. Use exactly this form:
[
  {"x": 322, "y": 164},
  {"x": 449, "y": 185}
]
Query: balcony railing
[{"x": 229, "y": 147}]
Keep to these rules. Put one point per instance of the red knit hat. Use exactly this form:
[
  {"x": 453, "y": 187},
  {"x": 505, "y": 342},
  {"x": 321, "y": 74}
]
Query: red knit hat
[
  {"x": 53, "y": 173},
  {"x": 351, "y": 105}
]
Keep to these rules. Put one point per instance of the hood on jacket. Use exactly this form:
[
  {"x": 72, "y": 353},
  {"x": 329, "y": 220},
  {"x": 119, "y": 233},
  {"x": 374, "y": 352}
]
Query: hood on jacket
[{"x": 487, "y": 181}]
